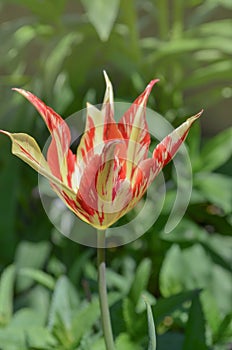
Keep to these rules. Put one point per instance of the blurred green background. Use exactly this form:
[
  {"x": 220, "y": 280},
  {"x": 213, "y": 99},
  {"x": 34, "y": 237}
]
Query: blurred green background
[{"x": 58, "y": 49}]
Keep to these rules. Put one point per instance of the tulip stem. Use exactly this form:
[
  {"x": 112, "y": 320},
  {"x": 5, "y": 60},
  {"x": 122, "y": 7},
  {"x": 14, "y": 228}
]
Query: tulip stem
[{"x": 102, "y": 290}]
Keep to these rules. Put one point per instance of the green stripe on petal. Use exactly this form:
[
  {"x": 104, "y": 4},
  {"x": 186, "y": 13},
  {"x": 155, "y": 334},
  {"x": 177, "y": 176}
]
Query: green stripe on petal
[{"x": 26, "y": 148}]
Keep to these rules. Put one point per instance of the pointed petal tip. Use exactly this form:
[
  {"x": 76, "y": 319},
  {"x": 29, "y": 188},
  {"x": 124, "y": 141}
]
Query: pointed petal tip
[
  {"x": 153, "y": 82},
  {"x": 5, "y": 132},
  {"x": 150, "y": 85},
  {"x": 23, "y": 92},
  {"x": 195, "y": 117},
  {"x": 107, "y": 80},
  {"x": 17, "y": 89}
]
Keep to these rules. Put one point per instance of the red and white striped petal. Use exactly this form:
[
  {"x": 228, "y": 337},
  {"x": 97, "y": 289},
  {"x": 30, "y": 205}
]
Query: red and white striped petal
[
  {"x": 96, "y": 182},
  {"x": 58, "y": 151},
  {"x": 100, "y": 126},
  {"x": 103, "y": 194},
  {"x": 110, "y": 131},
  {"x": 133, "y": 127},
  {"x": 162, "y": 154},
  {"x": 27, "y": 149}
]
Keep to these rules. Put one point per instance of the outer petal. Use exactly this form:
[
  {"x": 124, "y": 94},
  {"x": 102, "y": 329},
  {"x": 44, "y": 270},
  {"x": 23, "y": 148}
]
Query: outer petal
[
  {"x": 133, "y": 127},
  {"x": 51, "y": 118},
  {"x": 58, "y": 151},
  {"x": 162, "y": 154},
  {"x": 27, "y": 149}
]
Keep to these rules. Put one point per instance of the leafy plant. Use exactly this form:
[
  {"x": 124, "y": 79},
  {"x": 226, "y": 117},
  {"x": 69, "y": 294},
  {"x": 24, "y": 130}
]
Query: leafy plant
[{"x": 48, "y": 284}]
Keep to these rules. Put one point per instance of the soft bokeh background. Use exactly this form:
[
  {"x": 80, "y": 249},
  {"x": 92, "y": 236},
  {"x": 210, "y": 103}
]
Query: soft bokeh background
[{"x": 58, "y": 50}]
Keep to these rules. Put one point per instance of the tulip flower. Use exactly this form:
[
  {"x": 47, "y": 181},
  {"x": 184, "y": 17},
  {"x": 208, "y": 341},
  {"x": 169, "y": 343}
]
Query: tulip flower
[{"x": 111, "y": 170}]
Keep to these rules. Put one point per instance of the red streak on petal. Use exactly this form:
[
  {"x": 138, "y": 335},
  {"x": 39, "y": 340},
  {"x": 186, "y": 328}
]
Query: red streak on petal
[
  {"x": 90, "y": 134},
  {"x": 101, "y": 217},
  {"x": 87, "y": 211},
  {"x": 73, "y": 204},
  {"x": 28, "y": 154},
  {"x": 52, "y": 158},
  {"x": 71, "y": 160}
]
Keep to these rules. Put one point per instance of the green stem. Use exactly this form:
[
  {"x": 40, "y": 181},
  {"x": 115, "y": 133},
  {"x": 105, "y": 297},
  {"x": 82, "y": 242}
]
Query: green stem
[
  {"x": 177, "y": 33},
  {"x": 105, "y": 314},
  {"x": 178, "y": 13},
  {"x": 163, "y": 18},
  {"x": 129, "y": 13}
]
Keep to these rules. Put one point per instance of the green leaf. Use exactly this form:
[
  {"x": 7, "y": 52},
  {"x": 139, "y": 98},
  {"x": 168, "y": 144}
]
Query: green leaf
[
  {"x": 135, "y": 323},
  {"x": 141, "y": 279},
  {"x": 85, "y": 318},
  {"x": 179, "y": 47},
  {"x": 178, "y": 272},
  {"x": 195, "y": 330},
  {"x": 54, "y": 63},
  {"x": 151, "y": 328},
  {"x": 26, "y": 326},
  {"x": 102, "y": 14},
  {"x": 215, "y": 3},
  {"x": 64, "y": 301},
  {"x": 97, "y": 345},
  {"x": 6, "y": 294},
  {"x": 220, "y": 249},
  {"x": 38, "y": 299},
  {"x": 30, "y": 255},
  {"x": 225, "y": 329},
  {"x": 9, "y": 181},
  {"x": 38, "y": 276},
  {"x": 87, "y": 315},
  {"x": 217, "y": 151},
  {"x": 221, "y": 285},
  {"x": 218, "y": 27},
  {"x": 12, "y": 339},
  {"x": 166, "y": 306},
  {"x": 141, "y": 306},
  {"x": 211, "y": 310},
  {"x": 170, "y": 341},
  {"x": 116, "y": 280},
  {"x": 171, "y": 271},
  {"x": 49, "y": 12},
  {"x": 25, "y": 318},
  {"x": 123, "y": 342},
  {"x": 40, "y": 339},
  {"x": 186, "y": 232},
  {"x": 202, "y": 76},
  {"x": 217, "y": 189}
]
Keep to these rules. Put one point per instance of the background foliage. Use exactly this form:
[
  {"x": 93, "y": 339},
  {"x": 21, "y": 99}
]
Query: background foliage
[{"x": 58, "y": 49}]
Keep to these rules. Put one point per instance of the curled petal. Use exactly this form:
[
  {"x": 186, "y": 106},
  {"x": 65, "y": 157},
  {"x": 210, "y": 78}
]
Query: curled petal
[
  {"x": 51, "y": 118},
  {"x": 58, "y": 151}
]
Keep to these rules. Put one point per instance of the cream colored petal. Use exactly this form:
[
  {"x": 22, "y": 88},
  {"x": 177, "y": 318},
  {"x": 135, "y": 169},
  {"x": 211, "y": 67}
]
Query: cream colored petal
[{"x": 26, "y": 148}]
